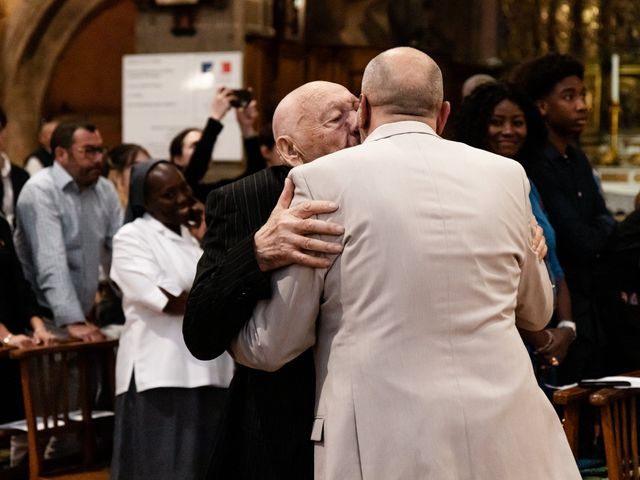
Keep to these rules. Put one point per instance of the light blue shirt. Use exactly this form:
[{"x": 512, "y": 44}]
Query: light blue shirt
[{"x": 62, "y": 235}]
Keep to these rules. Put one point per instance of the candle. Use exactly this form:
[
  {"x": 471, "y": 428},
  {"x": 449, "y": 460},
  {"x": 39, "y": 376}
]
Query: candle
[{"x": 615, "y": 78}]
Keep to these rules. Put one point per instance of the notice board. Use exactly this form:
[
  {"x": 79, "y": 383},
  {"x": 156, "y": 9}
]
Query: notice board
[{"x": 163, "y": 94}]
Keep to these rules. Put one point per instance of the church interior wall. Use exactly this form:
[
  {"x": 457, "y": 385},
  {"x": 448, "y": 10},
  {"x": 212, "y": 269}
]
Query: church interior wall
[{"x": 62, "y": 56}]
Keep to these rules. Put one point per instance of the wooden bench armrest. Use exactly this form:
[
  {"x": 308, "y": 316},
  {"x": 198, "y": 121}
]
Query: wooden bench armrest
[
  {"x": 19, "y": 353},
  {"x": 605, "y": 396},
  {"x": 570, "y": 395}
]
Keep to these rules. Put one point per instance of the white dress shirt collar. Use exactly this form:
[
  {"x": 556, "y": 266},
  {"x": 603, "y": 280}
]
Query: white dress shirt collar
[{"x": 61, "y": 177}]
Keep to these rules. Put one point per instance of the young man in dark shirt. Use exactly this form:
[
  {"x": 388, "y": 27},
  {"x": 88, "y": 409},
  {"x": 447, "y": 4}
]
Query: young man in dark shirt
[{"x": 572, "y": 199}]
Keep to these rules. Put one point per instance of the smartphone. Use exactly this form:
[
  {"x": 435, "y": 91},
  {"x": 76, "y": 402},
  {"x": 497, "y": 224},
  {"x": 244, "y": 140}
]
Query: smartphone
[
  {"x": 242, "y": 98},
  {"x": 195, "y": 215}
]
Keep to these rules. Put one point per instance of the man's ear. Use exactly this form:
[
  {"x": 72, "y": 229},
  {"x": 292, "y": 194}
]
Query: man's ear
[
  {"x": 287, "y": 151},
  {"x": 364, "y": 113},
  {"x": 542, "y": 107},
  {"x": 61, "y": 155},
  {"x": 443, "y": 116}
]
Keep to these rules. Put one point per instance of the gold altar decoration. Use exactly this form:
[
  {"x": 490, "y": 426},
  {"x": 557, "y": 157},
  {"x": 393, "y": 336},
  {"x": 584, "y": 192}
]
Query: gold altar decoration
[
  {"x": 563, "y": 25},
  {"x": 593, "y": 84},
  {"x": 588, "y": 29},
  {"x": 611, "y": 156},
  {"x": 590, "y": 25}
]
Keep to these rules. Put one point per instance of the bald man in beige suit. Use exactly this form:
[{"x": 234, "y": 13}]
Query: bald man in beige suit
[{"x": 421, "y": 373}]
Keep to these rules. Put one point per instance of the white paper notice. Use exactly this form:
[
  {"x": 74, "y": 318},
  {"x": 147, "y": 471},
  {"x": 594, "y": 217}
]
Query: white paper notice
[{"x": 163, "y": 94}]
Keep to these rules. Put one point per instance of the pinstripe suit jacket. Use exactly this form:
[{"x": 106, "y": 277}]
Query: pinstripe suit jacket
[{"x": 266, "y": 426}]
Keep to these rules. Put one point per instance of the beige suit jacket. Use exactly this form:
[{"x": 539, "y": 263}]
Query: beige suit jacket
[{"x": 421, "y": 373}]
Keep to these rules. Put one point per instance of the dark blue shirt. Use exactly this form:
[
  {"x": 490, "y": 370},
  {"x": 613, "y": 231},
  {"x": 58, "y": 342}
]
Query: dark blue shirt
[{"x": 574, "y": 205}]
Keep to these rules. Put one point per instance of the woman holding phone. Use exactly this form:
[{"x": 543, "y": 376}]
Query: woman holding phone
[
  {"x": 191, "y": 149},
  {"x": 167, "y": 402}
]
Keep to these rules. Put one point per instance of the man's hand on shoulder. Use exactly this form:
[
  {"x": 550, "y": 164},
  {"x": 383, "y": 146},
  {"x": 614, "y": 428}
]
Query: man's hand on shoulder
[{"x": 284, "y": 239}]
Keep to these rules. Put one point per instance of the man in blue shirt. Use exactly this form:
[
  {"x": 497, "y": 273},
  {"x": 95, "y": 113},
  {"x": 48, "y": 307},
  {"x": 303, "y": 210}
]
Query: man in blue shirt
[
  {"x": 67, "y": 215},
  {"x": 572, "y": 199}
]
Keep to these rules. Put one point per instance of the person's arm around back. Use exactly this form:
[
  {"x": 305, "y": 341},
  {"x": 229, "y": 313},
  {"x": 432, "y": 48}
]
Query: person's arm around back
[
  {"x": 234, "y": 271},
  {"x": 283, "y": 327}
]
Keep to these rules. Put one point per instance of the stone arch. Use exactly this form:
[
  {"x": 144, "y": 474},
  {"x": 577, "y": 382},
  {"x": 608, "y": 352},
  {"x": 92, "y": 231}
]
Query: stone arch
[{"x": 37, "y": 33}]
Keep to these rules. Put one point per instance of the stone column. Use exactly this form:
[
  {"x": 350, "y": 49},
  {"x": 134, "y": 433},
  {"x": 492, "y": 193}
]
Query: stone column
[{"x": 35, "y": 35}]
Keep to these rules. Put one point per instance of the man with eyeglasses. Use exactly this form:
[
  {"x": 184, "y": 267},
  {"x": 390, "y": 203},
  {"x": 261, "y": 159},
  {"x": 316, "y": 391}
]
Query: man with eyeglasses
[{"x": 66, "y": 216}]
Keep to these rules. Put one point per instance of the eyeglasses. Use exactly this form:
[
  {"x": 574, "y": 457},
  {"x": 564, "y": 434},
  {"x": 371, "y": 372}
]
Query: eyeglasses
[{"x": 93, "y": 150}]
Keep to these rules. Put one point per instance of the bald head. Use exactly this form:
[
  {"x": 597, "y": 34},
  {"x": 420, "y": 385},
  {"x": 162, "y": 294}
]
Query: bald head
[
  {"x": 404, "y": 81},
  {"x": 313, "y": 120},
  {"x": 474, "y": 81},
  {"x": 298, "y": 104}
]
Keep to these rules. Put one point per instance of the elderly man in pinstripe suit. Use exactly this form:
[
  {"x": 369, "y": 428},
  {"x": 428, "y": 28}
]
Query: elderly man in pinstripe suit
[
  {"x": 267, "y": 423},
  {"x": 266, "y": 428}
]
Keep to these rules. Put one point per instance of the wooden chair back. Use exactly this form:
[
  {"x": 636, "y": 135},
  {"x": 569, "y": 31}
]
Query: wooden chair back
[
  {"x": 572, "y": 400},
  {"x": 8, "y": 472},
  {"x": 58, "y": 397},
  {"x": 619, "y": 419},
  {"x": 6, "y": 432}
]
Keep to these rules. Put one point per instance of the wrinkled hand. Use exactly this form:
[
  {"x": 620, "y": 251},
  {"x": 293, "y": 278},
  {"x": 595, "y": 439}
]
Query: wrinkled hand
[
  {"x": 42, "y": 336},
  {"x": 562, "y": 338},
  {"x": 284, "y": 239},
  {"x": 21, "y": 341},
  {"x": 221, "y": 103},
  {"x": 247, "y": 117},
  {"x": 87, "y": 332},
  {"x": 539, "y": 244}
]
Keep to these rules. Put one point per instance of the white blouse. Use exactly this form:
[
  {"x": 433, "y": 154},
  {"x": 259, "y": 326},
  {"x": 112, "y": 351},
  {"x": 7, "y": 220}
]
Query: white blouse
[{"x": 147, "y": 256}]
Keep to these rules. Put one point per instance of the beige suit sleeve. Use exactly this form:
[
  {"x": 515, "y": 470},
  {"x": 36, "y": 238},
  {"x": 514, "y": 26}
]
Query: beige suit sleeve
[
  {"x": 535, "y": 294},
  {"x": 284, "y": 326}
]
